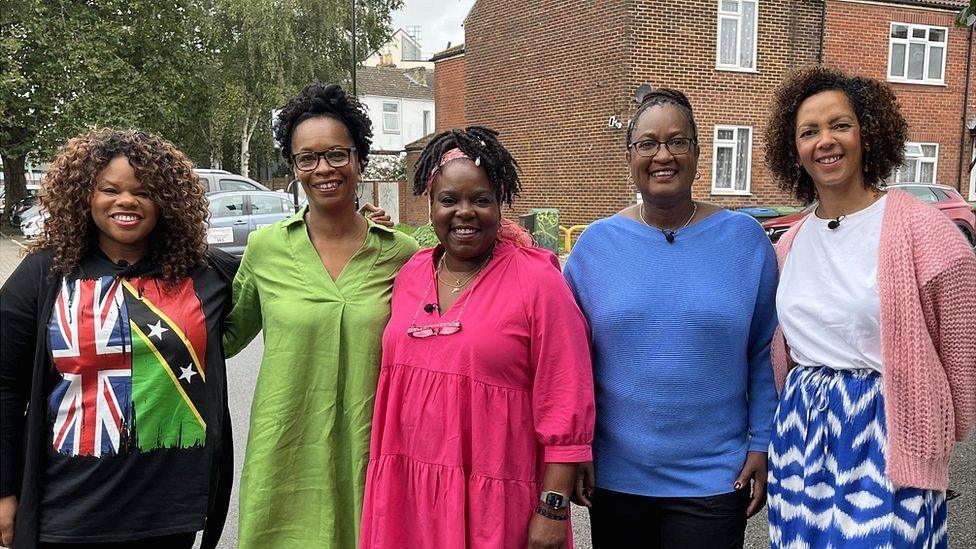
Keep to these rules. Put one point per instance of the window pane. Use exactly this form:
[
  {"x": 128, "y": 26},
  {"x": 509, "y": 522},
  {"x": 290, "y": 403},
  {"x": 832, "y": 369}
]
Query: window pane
[
  {"x": 913, "y": 149},
  {"x": 723, "y": 168},
  {"x": 263, "y": 204},
  {"x": 391, "y": 122},
  {"x": 929, "y": 151},
  {"x": 730, "y": 5},
  {"x": 236, "y": 185},
  {"x": 935, "y": 63},
  {"x": 919, "y": 32},
  {"x": 898, "y": 60},
  {"x": 916, "y": 61},
  {"x": 907, "y": 174},
  {"x": 390, "y": 107},
  {"x": 726, "y": 135},
  {"x": 899, "y": 31},
  {"x": 924, "y": 193},
  {"x": 742, "y": 160},
  {"x": 726, "y": 41},
  {"x": 937, "y": 35},
  {"x": 748, "y": 28},
  {"x": 926, "y": 172},
  {"x": 227, "y": 206}
]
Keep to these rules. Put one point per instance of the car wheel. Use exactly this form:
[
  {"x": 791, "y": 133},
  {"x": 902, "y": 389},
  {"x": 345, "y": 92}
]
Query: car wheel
[{"x": 969, "y": 235}]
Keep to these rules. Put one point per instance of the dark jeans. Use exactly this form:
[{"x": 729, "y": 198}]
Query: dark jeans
[
  {"x": 621, "y": 520},
  {"x": 175, "y": 541}
]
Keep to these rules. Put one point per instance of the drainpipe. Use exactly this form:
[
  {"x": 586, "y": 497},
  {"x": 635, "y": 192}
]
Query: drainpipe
[
  {"x": 823, "y": 31},
  {"x": 965, "y": 110}
]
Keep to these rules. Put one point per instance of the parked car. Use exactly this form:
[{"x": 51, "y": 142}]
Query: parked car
[
  {"x": 235, "y": 214},
  {"x": 222, "y": 180},
  {"x": 18, "y": 208},
  {"x": 32, "y": 225},
  {"x": 946, "y": 199}
]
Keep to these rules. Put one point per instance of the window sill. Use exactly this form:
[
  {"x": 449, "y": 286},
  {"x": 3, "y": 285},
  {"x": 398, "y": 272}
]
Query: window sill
[
  {"x": 723, "y": 192},
  {"x": 917, "y": 82},
  {"x": 736, "y": 69}
]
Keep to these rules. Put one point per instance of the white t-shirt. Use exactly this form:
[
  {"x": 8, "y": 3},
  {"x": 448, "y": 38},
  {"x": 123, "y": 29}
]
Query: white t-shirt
[{"x": 827, "y": 300}]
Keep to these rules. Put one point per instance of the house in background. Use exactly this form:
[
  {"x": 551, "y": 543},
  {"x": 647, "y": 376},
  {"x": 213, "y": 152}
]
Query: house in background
[
  {"x": 400, "y": 104},
  {"x": 402, "y": 50},
  {"x": 562, "y": 92}
]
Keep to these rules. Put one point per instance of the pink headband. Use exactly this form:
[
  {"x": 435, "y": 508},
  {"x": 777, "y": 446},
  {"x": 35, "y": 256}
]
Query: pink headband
[{"x": 450, "y": 155}]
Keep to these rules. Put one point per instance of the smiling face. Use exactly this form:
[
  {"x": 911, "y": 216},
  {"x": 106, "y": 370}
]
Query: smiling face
[
  {"x": 465, "y": 213},
  {"x": 828, "y": 140},
  {"x": 122, "y": 211},
  {"x": 325, "y": 186},
  {"x": 665, "y": 175}
]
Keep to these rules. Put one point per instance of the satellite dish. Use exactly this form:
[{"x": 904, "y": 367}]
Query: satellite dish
[{"x": 641, "y": 92}]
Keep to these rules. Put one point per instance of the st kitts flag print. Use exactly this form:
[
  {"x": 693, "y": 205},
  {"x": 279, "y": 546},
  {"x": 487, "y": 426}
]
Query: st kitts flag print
[{"x": 132, "y": 377}]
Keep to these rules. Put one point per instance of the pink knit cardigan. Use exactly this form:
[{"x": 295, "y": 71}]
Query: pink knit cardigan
[{"x": 927, "y": 290}]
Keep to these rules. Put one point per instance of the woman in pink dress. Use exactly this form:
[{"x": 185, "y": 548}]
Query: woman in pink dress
[{"x": 484, "y": 406}]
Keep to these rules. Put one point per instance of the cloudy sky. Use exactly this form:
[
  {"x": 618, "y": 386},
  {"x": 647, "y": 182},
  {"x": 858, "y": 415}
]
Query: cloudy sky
[{"x": 440, "y": 21}]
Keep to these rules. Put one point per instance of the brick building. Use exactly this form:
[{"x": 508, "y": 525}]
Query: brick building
[{"x": 559, "y": 85}]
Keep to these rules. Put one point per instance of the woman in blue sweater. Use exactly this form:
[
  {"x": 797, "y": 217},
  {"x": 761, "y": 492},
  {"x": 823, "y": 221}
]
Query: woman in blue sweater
[{"x": 680, "y": 297}]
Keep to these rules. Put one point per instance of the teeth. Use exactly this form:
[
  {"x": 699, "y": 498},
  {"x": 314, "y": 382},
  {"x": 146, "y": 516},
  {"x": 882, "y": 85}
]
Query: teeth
[
  {"x": 328, "y": 186},
  {"x": 123, "y": 217},
  {"x": 665, "y": 173},
  {"x": 465, "y": 231},
  {"x": 829, "y": 160}
]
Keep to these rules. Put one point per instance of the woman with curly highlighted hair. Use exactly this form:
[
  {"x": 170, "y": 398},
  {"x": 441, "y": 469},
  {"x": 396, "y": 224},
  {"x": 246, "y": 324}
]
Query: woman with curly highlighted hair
[
  {"x": 318, "y": 285},
  {"x": 115, "y": 431},
  {"x": 876, "y": 362}
]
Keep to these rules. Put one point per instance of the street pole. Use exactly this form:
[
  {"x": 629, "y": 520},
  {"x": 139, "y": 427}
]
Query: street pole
[{"x": 353, "y": 17}]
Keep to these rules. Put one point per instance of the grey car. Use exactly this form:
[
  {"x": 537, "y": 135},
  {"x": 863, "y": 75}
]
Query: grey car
[
  {"x": 236, "y": 214},
  {"x": 222, "y": 180}
]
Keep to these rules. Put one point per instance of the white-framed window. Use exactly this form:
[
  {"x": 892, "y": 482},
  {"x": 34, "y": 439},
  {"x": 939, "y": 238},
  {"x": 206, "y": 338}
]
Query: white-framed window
[
  {"x": 732, "y": 160},
  {"x": 391, "y": 117},
  {"x": 736, "y": 35},
  {"x": 427, "y": 122},
  {"x": 917, "y": 53},
  {"x": 921, "y": 164}
]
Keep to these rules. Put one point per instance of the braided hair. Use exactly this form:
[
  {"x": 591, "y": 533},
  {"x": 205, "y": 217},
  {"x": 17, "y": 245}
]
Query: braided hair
[
  {"x": 330, "y": 101},
  {"x": 665, "y": 96},
  {"x": 477, "y": 142}
]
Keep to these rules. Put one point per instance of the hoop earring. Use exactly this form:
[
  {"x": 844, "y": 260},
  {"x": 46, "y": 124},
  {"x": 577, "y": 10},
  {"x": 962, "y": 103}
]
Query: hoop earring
[{"x": 697, "y": 175}]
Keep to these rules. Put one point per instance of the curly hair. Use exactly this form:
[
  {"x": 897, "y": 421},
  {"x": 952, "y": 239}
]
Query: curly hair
[
  {"x": 332, "y": 102},
  {"x": 177, "y": 243},
  {"x": 476, "y": 142},
  {"x": 883, "y": 128},
  {"x": 665, "y": 96}
]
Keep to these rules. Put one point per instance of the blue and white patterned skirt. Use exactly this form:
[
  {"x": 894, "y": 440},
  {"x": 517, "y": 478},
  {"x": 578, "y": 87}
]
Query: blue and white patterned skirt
[{"x": 827, "y": 486}]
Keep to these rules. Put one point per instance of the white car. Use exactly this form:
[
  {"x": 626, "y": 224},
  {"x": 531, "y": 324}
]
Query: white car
[{"x": 32, "y": 226}]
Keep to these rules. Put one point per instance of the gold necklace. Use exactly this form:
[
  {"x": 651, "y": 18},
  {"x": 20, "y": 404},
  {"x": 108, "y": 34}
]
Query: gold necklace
[
  {"x": 459, "y": 283},
  {"x": 669, "y": 234}
]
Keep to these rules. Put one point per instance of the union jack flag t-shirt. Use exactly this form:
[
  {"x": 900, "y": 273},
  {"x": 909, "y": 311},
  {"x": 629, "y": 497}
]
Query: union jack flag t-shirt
[{"x": 131, "y": 406}]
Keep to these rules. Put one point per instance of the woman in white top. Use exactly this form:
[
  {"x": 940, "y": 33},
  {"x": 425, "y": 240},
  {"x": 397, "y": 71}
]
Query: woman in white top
[{"x": 871, "y": 301}]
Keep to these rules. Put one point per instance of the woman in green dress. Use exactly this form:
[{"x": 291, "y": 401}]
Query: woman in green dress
[{"x": 318, "y": 284}]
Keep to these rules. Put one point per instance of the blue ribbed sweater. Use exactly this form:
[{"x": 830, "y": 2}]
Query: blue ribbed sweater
[{"x": 681, "y": 350}]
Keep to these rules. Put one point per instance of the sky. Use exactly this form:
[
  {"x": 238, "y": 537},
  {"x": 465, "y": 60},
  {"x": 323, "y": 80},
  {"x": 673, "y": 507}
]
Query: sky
[{"x": 440, "y": 21}]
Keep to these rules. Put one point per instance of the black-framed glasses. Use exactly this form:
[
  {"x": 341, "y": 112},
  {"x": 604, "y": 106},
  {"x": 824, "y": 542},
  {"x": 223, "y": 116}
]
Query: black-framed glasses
[
  {"x": 336, "y": 157},
  {"x": 649, "y": 147}
]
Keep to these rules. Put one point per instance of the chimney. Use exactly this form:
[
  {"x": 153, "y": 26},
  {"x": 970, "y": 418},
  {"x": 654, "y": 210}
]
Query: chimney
[{"x": 417, "y": 74}]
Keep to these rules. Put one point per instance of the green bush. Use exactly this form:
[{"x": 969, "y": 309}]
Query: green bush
[{"x": 425, "y": 236}]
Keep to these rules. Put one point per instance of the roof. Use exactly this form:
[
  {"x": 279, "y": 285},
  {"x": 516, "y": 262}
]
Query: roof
[
  {"x": 419, "y": 144},
  {"x": 453, "y": 51},
  {"x": 940, "y": 4},
  {"x": 394, "y": 82}
]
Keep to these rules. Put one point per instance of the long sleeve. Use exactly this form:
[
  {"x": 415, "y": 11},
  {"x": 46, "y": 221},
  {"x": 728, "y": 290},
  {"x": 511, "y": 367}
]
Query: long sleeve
[
  {"x": 244, "y": 320},
  {"x": 761, "y": 390},
  {"x": 949, "y": 305},
  {"x": 19, "y": 300},
  {"x": 562, "y": 395}
]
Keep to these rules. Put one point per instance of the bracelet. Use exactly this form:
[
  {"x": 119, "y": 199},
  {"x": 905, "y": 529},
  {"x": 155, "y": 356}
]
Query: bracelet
[{"x": 550, "y": 515}]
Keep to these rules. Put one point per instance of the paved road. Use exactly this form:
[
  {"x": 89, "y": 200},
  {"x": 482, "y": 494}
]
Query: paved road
[{"x": 242, "y": 372}]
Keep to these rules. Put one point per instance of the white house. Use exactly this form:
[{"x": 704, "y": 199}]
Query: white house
[{"x": 402, "y": 50}]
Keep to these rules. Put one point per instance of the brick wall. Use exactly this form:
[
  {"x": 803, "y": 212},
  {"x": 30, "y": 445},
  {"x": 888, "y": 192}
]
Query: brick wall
[
  {"x": 413, "y": 209},
  {"x": 550, "y": 78},
  {"x": 857, "y": 41},
  {"x": 449, "y": 93}
]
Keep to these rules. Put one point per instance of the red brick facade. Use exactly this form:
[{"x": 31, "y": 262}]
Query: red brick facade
[
  {"x": 550, "y": 79},
  {"x": 857, "y": 41},
  {"x": 449, "y": 89}
]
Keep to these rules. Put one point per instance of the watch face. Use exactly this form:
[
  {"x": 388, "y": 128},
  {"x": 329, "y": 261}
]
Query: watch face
[{"x": 555, "y": 500}]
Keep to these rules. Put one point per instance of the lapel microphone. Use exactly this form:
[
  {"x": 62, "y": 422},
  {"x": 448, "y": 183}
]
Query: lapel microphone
[{"x": 430, "y": 307}]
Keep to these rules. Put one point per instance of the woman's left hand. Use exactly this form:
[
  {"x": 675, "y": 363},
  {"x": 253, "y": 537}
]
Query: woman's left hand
[
  {"x": 754, "y": 473},
  {"x": 377, "y": 215},
  {"x": 546, "y": 533}
]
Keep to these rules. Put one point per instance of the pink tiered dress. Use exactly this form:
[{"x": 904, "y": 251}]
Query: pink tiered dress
[{"x": 464, "y": 423}]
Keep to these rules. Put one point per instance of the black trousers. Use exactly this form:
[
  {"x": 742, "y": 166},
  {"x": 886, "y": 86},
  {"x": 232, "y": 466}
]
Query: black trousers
[
  {"x": 175, "y": 541},
  {"x": 621, "y": 520}
]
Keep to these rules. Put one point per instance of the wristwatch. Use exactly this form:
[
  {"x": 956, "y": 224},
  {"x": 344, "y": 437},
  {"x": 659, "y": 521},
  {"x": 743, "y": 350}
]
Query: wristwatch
[{"x": 555, "y": 500}]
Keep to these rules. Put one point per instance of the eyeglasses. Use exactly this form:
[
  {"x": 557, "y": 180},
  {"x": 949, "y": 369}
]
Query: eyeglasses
[
  {"x": 336, "y": 157},
  {"x": 446, "y": 328},
  {"x": 649, "y": 147}
]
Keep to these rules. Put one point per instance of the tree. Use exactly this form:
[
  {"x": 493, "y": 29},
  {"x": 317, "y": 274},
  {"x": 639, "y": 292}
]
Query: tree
[{"x": 76, "y": 64}]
